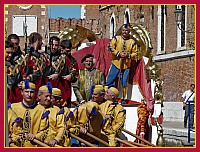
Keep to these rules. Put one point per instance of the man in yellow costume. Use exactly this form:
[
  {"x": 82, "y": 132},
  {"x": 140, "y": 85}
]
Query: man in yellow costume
[
  {"x": 95, "y": 118},
  {"x": 14, "y": 127},
  {"x": 68, "y": 117},
  {"x": 115, "y": 116},
  {"x": 33, "y": 116},
  {"x": 56, "y": 97},
  {"x": 54, "y": 133},
  {"x": 123, "y": 50},
  {"x": 89, "y": 119}
]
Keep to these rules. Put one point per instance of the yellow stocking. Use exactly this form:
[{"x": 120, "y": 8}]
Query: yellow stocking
[{"x": 124, "y": 92}]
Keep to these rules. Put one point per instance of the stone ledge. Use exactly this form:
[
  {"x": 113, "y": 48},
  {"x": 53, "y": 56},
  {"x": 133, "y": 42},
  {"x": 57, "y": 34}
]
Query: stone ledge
[{"x": 178, "y": 137}]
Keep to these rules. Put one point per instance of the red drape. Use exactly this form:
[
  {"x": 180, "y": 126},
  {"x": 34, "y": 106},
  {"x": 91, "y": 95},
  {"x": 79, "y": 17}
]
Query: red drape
[
  {"x": 100, "y": 52},
  {"x": 138, "y": 76}
]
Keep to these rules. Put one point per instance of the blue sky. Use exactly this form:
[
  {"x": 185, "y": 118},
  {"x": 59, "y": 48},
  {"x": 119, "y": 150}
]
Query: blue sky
[{"x": 65, "y": 11}]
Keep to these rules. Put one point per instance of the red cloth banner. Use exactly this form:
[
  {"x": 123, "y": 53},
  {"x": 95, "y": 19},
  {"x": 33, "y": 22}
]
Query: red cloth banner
[
  {"x": 138, "y": 76},
  {"x": 100, "y": 52}
]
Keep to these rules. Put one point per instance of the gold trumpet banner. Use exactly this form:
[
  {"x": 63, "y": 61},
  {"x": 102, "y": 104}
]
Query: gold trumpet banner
[{"x": 76, "y": 34}]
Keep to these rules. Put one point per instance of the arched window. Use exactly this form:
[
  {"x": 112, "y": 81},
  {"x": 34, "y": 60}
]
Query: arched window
[
  {"x": 181, "y": 34},
  {"x": 112, "y": 25},
  {"x": 127, "y": 16}
]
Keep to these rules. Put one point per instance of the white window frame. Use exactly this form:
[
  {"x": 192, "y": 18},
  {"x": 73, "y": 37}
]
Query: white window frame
[
  {"x": 17, "y": 25},
  {"x": 127, "y": 11},
  {"x": 111, "y": 26},
  {"x": 179, "y": 47},
  {"x": 159, "y": 51}
]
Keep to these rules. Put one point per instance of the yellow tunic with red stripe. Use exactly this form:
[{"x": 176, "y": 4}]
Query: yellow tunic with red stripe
[
  {"x": 117, "y": 45},
  {"x": 35, "y": 120}
]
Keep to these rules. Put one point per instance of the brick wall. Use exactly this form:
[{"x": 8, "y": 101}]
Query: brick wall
[
  {"x": 35, "y": 10},
  {"x": 92, "y": 12},
  {"x": 59, "y": 24},
  {"x": 177, "y": 74}
]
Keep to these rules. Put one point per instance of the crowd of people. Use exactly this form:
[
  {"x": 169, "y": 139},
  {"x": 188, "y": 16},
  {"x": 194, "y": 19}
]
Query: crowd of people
[
  {"x": 39, "y": 93},
  {"x": 48, "y": 121}
]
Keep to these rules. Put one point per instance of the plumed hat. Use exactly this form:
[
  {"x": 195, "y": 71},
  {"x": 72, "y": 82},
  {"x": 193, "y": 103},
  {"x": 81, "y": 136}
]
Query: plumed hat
[
  {"x": 126, "y": 26},
  {"x": 46, "y": 88},
  {"x": 56, "y": 92},
  {"x": 28, "y": 85}
]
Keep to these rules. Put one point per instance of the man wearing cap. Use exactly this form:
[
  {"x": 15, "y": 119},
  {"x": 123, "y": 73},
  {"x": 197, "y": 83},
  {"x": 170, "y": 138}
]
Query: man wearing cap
[
  {"x": 98, "y": 93},
  {"x": 88, "y": 76},
  {"x": 67, "y": 116},
  {"x": 33, "y": 116},
  {"x": 56, "y": 97},
  {"x": 114, "y": 116},
  {"x": 54, "y": 133},
  {"x": 89, "y": 120},
  {"x": 95, "y": 118},
  {"x": 123, "y": 50}
]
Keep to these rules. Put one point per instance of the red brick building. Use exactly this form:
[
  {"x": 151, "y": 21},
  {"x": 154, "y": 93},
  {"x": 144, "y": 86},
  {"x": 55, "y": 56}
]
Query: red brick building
[
  {"x": 173, "y": 49},
  {"x": 36, "y": 17}
]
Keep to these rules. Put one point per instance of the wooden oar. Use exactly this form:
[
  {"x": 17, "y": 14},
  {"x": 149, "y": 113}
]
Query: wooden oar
[
  {"x": 137, "y": 144},
  {"x": 81, "y": 140},
  {"x": 54, "y": 145},
  {"x": 136, "y": 136},
  {"x": 98, "y": 139},
  {"x": 40, "y": 143},
  {"x": 125, "y": 142}
]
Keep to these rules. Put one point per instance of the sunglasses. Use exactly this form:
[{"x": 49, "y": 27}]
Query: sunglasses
[{"x": 15, "y": 43}]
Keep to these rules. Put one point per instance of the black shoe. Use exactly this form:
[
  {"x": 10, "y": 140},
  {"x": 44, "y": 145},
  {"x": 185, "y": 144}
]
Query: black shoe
[
  {"x": 124, "y": 101},
  {"x": 185, "y": 126},
  {"x": 192, "y": 127}
]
